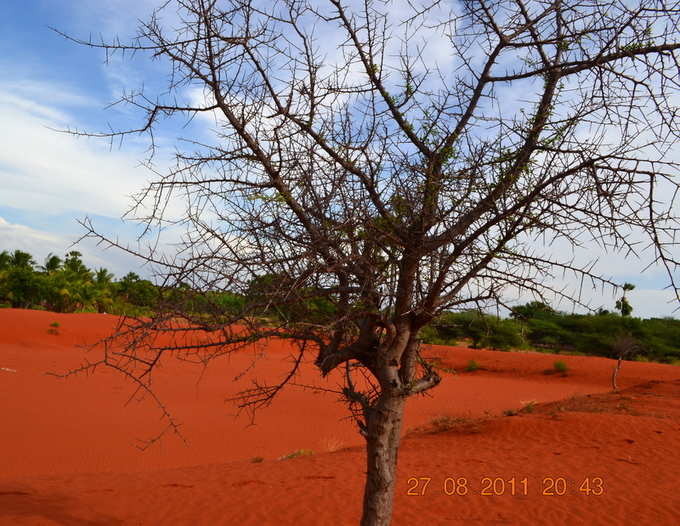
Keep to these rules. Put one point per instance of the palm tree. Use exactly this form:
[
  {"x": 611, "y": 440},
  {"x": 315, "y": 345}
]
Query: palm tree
[
  {"x": 19, "y": 258},
  {"x": 73, "y": 263},
  {"x": 102, "y": 289},
  {"x": 103, "y": 277},
  {"x": 4, "y": 259},
  {"x": 52, "y": 263}
]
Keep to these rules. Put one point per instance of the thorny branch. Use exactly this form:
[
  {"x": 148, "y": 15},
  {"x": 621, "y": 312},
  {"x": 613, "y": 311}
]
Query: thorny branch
[{"x": 355, "y": 184}]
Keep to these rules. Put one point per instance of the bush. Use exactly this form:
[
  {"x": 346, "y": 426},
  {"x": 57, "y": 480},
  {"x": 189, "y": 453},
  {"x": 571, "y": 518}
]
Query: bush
[
  {"x": 533, "y": 309},
  {"x": 22, "y": 287},
  {"x": 54, "y": 328},
  {"x": 431, "y": 334},
  {"x": 472, "y": 366},
  {"x": 560, "y": 367},
  {"x": 484, "y": 330},
  {"x": 503, "y": 335}
]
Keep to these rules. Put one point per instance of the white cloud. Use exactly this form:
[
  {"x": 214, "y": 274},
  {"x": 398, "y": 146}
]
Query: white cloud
[
  {"x": 32, "y": 91},
  {"x": 53, "y": 177},
  {"x": 647, "y": 301},
  {"x": 49, "y": 172},
  {"x": 650, "y": 302},
  {"x": 28, "y": 239},
  {"x": 39, "y": 244}
]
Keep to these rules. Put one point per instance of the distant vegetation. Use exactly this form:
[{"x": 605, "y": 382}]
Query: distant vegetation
[
  {"x": 67, "y": 285},
  {"x": 537, "y": 326}
]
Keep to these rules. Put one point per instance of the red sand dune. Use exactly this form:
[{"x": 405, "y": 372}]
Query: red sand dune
[{"x": 68, "y": 452}]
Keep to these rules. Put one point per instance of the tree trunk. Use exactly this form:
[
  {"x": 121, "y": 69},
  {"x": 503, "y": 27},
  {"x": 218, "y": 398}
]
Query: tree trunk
[
  {"x": 615, "y": 373},
  {"x": 383, "y": 423}
]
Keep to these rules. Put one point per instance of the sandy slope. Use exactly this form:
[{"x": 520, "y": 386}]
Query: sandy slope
[{"x": 68, "y": 456}]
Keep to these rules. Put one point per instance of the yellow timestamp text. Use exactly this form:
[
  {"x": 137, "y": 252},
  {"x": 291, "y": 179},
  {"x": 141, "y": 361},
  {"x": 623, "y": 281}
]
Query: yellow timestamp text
[{"x": 498, "y": 486}]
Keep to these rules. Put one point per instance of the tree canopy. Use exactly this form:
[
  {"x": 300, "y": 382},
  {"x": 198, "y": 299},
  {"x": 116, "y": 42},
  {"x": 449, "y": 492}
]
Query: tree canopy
[{"x": 384, "y": 162}]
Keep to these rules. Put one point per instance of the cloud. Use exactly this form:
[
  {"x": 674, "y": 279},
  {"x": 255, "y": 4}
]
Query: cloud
[
  {"x": 40, "y": 243},
  {"x": 649, "y": 299},
  {"x": 60, "y": 94},
  {"x": 25, "y": 238},
  {"x": 654, "y": 303},
  {"x": 50, "y": 172},
  {"x": 51, "y": 179}
]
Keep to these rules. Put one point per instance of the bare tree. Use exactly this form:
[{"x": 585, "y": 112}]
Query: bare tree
[
  {"x": 625, "y": 346},
  {"x": 374, "y": 163}
]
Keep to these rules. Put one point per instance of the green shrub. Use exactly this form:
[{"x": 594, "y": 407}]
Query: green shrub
[
  {"x": 431, "y": 334},
  {"x": 472, "y": 366},
  {"x": 533, "y": 309},
  {"x": 560, "y": 367},
  {"x": 503, "y": 335},
  {"x": 54, "y": 328}
]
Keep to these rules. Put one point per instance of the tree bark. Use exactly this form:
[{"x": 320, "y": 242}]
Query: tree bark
[
  {"x": 615, "y": 373},
  {"x": 383, "y": 423}
]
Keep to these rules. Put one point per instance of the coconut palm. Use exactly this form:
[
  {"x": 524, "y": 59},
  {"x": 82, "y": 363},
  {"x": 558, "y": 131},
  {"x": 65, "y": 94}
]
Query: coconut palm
[
  {"x": 52, "y": 263},
  {"x": 19, "y": 258}
]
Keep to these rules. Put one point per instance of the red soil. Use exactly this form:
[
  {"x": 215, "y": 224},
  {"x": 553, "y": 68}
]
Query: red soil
[{"x": 68, "y": 451}]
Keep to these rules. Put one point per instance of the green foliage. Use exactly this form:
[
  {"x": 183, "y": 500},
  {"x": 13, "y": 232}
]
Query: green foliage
[
  {"x": 503, "y": 335},
  {"x": 536, "y": 325},
  {"x": 4, "y": 260},
  {"x": 533, "y": 309},
  {"x": 622, "y": 305},
  {"x": 21, "y": 259},
  {"x": 447, "y": 328},
  {"x": 54, "y": 328},
  {"x": 560, "y": 367},
  {"x": 430, "y": 335},
  {"x": 52, "y": 263},
  {"x": 484, "y": 330},
  {"x": 266, "y": 294},
  {"x": 635, "y": 46},
  {"x": 137, "y": 291},
  {"x": 58, "y": 285},
  {"x": 66, "y": 291},
  {"x": 472, "y": 366},
  {"x": 21, "y": 287},
  {"x": 67, "y": 285},
  {"x": 74, "y": 265},
  {"x": 229, "y": 302}
]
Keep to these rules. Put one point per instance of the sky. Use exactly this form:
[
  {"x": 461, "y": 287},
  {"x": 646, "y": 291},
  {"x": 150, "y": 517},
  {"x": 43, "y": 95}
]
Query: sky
[{"x": 49, "y": 180}]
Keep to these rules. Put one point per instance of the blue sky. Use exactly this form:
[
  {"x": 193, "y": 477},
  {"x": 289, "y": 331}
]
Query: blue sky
[{"x": 50, "y": 180}]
